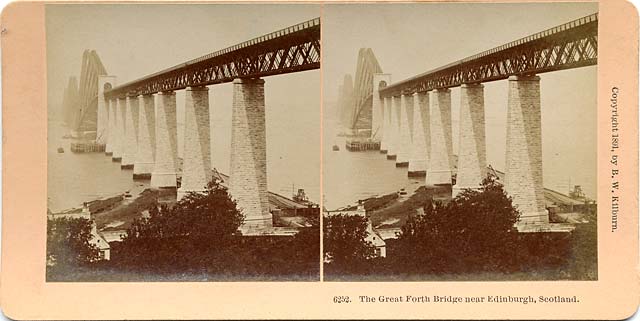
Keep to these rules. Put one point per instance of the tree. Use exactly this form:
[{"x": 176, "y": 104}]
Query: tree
[
  {"x": 198, "y": 236},
  {"x": 305, "y": 246},
  {"x": 475, "y": 231},
  {"x": 423, "y": 241},
  {"x": 344, "y": 240},
  {"x": 199, "y": 216},
  {"x": 68, "y": 242},
  {"x": 188, "y": 231}
]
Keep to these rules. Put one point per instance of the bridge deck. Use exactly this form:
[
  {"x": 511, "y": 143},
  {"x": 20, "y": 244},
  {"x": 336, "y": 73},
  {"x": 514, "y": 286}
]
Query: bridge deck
[
  {"x": 293, "y": 49},
  {"x": 570, "y": 45}
]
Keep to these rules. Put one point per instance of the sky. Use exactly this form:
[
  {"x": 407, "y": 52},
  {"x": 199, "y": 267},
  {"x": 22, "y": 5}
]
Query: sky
[
  {"x": 135, "y": 40},
  {"x": 409, "y": 39}
]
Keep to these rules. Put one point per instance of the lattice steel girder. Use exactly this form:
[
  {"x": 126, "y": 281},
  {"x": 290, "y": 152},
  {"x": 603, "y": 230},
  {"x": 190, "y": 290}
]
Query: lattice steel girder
[
  {"x": 571, "y": 45},
  {"x": 91, "y": 69},
  {"x": 367, "y": 66},
  {"x": 293, "y": 49}
]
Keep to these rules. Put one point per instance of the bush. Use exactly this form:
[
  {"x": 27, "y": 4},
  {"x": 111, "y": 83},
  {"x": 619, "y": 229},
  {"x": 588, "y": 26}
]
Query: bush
[
  {"x": 199, "y": 236},
  {"x": 180, "y": 234},
  {"x": 344, "y": 241},
  {"x": 474, "y": 236},
  {"x": 473, "y": 232}
]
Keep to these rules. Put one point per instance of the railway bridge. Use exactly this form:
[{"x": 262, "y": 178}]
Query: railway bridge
[
  {"x": 137, "y": 120},
  {"x": 412, "y": 117}
]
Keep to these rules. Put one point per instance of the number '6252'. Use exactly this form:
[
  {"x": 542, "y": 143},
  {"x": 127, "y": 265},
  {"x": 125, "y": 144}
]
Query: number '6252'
[{"x": 341, "y": 299}]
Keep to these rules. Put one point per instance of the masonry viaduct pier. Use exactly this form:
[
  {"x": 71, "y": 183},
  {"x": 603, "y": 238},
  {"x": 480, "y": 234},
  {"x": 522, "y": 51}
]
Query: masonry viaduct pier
[
  {"x": 412, "y": 117},
  {"x": 137, "y": 120}
]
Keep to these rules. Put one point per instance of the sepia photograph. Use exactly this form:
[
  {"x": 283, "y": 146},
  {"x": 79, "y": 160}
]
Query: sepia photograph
[
  {"x": 460, "y": 141},
  {"x": 183, "y": 142}
]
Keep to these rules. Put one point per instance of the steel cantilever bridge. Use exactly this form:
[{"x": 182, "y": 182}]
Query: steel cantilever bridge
[
  {"x": 570, "y": 45},
  {"x": 80, "y": 99},
  {"x": 293, "y": 49}
]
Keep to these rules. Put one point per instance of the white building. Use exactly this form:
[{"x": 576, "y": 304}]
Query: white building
[
  {"x": 96, "y": 238},
  {"x": 372, "y": 234}
]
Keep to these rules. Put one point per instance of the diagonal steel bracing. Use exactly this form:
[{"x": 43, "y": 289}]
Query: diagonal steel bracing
[
  {"x": 293, "y": 49},
  {"x": 570, "y": 45},
  {"x": 367, "y": 66},
  {"x": 80, "y": 101}
]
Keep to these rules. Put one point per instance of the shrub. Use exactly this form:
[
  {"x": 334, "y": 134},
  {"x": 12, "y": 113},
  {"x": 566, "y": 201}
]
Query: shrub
[
  {"x": 344, "y": 241},
  {"x": 199, "y": 236},
  {"x": 473, "y": 232},
  {"x": 180, "y": 234}
]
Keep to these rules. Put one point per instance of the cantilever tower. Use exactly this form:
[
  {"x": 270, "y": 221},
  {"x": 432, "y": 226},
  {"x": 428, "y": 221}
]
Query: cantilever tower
[
  {"x": 356, "y": 104},
  {"x": 80, "y": 102}
]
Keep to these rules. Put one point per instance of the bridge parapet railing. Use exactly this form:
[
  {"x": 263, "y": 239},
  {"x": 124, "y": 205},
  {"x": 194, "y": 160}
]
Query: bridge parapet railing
[
  {"x": 273, "y": 35},
  {"x": 539, "y": 35},
  {"x": 548, "y": 32},
  {"x": 161, "y": 75},
  {"x": 452, "y": 73}
]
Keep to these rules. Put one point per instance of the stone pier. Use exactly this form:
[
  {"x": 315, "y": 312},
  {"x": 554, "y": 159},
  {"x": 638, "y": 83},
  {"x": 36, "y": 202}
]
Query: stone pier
[
  {"x": 392, "y": 132},
  {"x": 378, "y": 116},
  {"x": 111, "y": 127},
  {"x": 405, "y": 126},
  {"x": 472, "y": 149},
  {"x": 196, "y": 168},
  {"x": 248, "y": 177},
  {"x": 441, "y": 147},
  {"x": 421, "y": 136},
  {"x": 383, "y": 126},
  {"x": 120, "y": 129},
  {"x": 102, "y": 126},
  {"x": 166, "y": 162},
  {"x": 523, "y": 164},
  {"x": 102, "y": 121},
  {"x": 131, "y": 135},
  {"x": 145, "y": 155}
]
